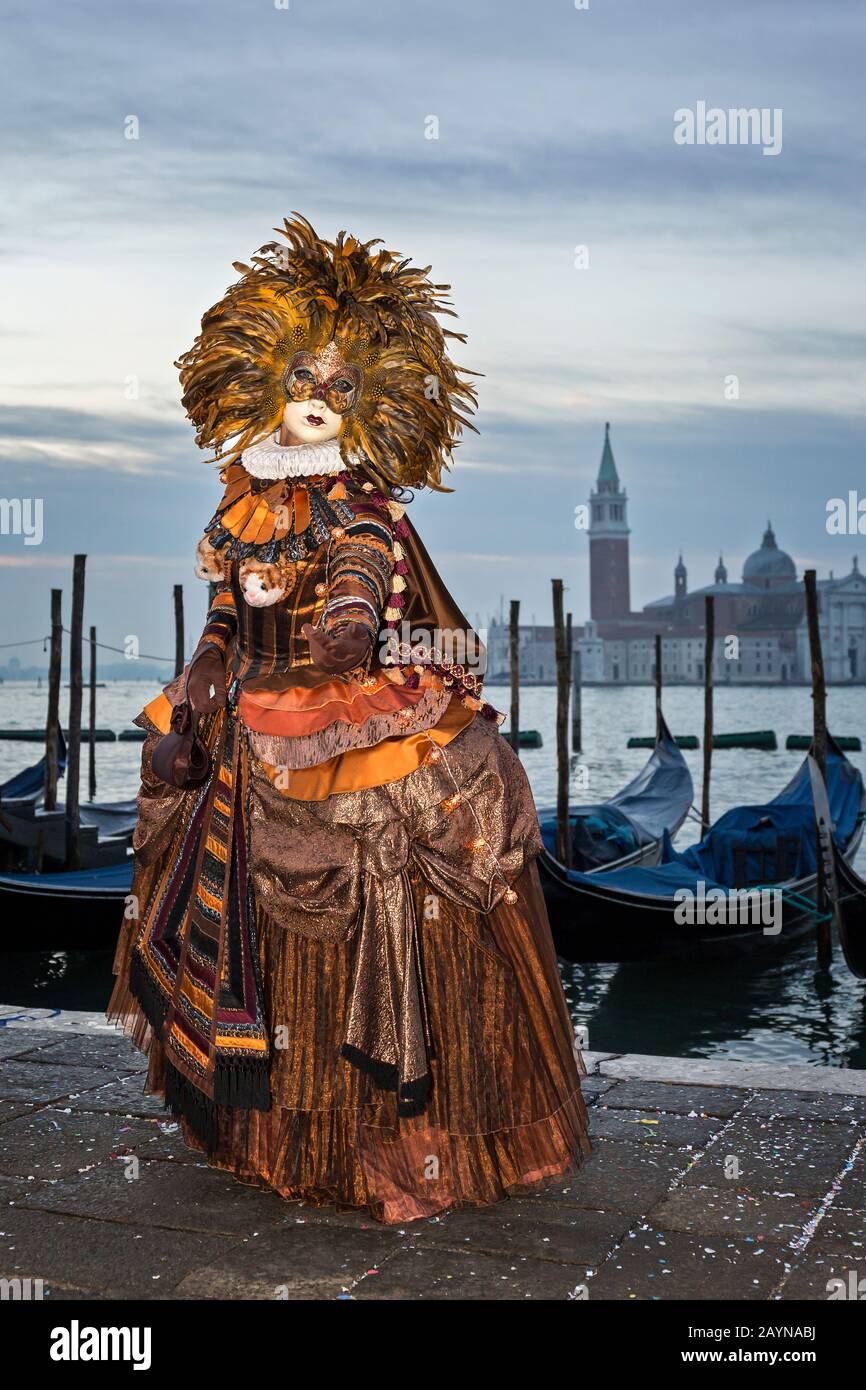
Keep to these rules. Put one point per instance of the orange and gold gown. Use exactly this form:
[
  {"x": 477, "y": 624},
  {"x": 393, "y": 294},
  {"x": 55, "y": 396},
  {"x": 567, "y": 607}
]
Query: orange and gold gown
[{"x": 370, "y": 842}]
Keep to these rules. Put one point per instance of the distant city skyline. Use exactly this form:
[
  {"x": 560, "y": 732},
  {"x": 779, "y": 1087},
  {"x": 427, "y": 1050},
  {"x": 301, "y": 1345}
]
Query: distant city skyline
[{"x": 707, "y": 301}]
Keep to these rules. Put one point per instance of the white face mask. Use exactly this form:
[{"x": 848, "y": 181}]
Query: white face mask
[{"x": 311, "y": 422}]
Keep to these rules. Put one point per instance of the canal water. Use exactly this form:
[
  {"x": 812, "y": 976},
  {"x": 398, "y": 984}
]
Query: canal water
[{"x": 778, "y": 1010}]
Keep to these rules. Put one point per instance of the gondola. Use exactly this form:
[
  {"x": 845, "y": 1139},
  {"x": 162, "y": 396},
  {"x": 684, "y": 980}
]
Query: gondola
[
  {"x": 643, "y": 912},
  {"x": 26, "y": 828},
  {"x": 851, "y": 914},
  {"x": 81, "y": 909},
  {"x": 628, "y": 829},
  {"x": 27, "y": 788},
  {"x": 28, "y": 785},
  {"x": 73, "y": 910}
]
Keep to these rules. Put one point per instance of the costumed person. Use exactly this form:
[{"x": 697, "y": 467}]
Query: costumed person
[{"x": 341, "y": 966}]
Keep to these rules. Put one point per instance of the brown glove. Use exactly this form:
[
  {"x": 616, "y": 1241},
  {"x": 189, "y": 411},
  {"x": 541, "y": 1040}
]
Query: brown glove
[
  {"x": 335, "y": 652},
  {"x": 207, "y": 673}
]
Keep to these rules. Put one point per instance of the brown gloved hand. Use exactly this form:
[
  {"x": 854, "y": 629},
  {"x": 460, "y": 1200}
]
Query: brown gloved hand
[
  {"x": 207, "y": 673},
  {"x": 335, "y": 652}
]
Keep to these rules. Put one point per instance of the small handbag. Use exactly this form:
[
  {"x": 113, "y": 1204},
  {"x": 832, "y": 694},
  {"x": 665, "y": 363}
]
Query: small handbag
[{"x": 181, "y": 758}]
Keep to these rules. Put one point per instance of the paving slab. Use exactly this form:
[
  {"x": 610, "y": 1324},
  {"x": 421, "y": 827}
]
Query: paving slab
[
  {"x": 807, "y": 1105},
  {"x": 46, "y": 1081},
  {"x": 54, "y": 1143},
  {"x": 151, "y": 1137},
  {"x": 840, "y": 1232},
  {"x": 299, "y": 1261},
  {"x": 592, "y": 1087},
  {"x": 424, "y": 1272},
  {"x": 830, "y": 1278},
  {"x": 668, "y": 1265},
  {"x": 109, "y": 1050},
  {"x": 100, "y": 1255},
  {"x": 61, "y": 1021},
  {"x": 723, "y": 1101},
  {"x": 17, "y": 1042},
  {"x": 653, "y": 1127},
  {"x": 705, "y": 1071},
  {"x": 853, "y": 1184},
  {"x": 172, "y": 1196},
  {"x": 629, "y": 1178},
  {"x": 593, "y": 1060},
  {"x": 121, "y": 1097},
  {"x": 541, "y": 1230},
  {"x": 775, "y": 1155},
  {"x": 713, "y": 1211}
]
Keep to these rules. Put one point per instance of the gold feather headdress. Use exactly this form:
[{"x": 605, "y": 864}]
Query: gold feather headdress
[{"x": 378, "y": 309}]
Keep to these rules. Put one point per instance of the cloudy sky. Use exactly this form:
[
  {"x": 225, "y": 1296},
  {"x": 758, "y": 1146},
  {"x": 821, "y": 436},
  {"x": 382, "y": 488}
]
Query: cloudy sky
[{"x": 555, "y": 131}]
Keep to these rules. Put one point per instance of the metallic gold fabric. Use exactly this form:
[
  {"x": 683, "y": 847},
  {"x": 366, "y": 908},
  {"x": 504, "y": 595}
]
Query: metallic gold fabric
[
  {"x": 381, "y": 833},
  {"x": 505, "y": 1115}
]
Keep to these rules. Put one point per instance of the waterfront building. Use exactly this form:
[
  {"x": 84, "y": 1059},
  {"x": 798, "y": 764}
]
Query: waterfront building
[{"x": 761, "y": 633}]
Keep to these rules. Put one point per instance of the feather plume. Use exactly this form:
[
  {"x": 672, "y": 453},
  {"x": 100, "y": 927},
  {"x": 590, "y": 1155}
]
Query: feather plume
[{"x": 382, "y": 312}]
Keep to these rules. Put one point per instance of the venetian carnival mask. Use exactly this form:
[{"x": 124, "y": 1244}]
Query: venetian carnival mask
[
  {"x": 323, "y": 376},
  {"x": 321, "y": 388}
]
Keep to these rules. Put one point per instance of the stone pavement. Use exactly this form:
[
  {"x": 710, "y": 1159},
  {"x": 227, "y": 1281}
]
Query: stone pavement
[{"x": 709, "y": 1180}]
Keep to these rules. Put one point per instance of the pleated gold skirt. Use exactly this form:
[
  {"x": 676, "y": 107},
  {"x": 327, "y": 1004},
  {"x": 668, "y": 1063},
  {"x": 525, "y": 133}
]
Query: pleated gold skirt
[{"x": 505, "y": 1116}]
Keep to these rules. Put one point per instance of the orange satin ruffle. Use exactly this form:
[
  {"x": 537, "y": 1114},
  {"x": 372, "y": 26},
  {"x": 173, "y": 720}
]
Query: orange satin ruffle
[
  {"x": 159, "y": 713},
  {"x": 359, "y": 768},
  {"x": 299, "y": 710}
]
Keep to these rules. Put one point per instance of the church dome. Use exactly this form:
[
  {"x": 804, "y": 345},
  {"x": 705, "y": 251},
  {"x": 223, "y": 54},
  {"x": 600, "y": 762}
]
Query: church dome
[{"x": 769, "y": 565}]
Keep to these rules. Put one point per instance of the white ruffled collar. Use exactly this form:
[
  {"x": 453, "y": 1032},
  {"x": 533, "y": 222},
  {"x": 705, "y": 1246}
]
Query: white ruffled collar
[{"x": 270, "y": 459}]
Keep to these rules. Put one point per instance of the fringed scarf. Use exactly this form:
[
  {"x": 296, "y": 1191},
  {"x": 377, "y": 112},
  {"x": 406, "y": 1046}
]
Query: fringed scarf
[{"x": 195, "y": 970}]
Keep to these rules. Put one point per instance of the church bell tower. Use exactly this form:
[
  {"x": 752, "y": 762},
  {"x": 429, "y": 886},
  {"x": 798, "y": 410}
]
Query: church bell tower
[{"x": 609, "y": 596}]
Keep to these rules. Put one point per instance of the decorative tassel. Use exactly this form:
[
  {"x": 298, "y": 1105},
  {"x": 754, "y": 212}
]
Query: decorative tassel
[{"x": 187, "y": 1102}]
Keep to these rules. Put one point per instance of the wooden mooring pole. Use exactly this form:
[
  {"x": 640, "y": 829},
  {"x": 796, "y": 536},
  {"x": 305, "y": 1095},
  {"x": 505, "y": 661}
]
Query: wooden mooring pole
[
  {"x": 91, "y": 752},
  {"x": 563, "y": 835},
  {"x": 73, "y": 755},
  {"x": 52, "y": 723},
  {"x": 576, "y": 703},
  {"x": 709, "y": 644},
  {"x": 514, "y": 656},
  {"x": 658, "y": 674},
  {"x": 178, "y": 629},
  {"x": 824, "y": 940}
]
